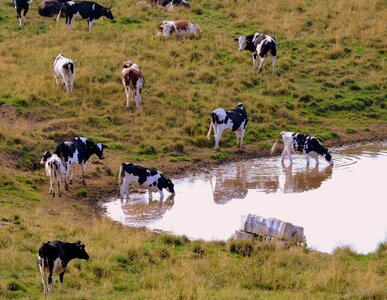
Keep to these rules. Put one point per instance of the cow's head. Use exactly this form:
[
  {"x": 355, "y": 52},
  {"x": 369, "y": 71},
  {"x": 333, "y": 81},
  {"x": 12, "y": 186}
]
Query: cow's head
[
  {"x": 128, "y": 64},
  {"x": 240, "y": 106},
  {"x": 107, "y": 12},
  {"x": 80, "y": 251},
  {"x": 98, "y": 150},
  {"x": 166, "y": 28},
  {"x": 242, "y": 41},
  {"x": 328, "y": 157},
  {"x": 170, "y": 186},
  {"x": 45, "y": 157}
]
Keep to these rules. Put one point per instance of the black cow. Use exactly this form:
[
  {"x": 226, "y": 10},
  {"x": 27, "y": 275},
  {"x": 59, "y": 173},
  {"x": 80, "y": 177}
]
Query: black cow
[
  {"x": 49, "y": 8},
  {"x": 299, "y": 142},
  {"x": 260, "y": 44},
  {"x": 19, "y": 6},
  {"x": 140, "y": 177},
  {"x": 234, "y": 119},
  {"x": 85, "y": 10},
  {"x": 78, "y": 151},
  {"x": 54, "y": 257}
]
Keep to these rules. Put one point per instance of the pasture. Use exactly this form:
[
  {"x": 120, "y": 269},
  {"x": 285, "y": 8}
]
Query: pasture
[{"x": 329, "y": 81}]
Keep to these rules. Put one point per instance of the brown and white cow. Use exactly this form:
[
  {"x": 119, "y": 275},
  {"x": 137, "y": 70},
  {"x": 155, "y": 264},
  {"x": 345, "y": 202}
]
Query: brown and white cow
[
  {"x": 133, "y": 81},
  {"x": 181, "y": 28}
]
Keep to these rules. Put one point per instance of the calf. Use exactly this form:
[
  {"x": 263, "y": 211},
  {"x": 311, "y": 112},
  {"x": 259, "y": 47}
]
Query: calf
[
  {"x": 298, "y": 142},
  {"x": 78, "y": 151},
  {"x": 19, "y": 6},
  {"x": 49, "y": 8},
  {"x": 260, "y": 44},
  {"x": 85, "y": 10},
  {"x": 54, "y": 257},
  {"x": 235, "y": 119},
  {"x": 140, "y": 177},
  {"x": 133, "y": 81},
  {"x": 65, "y": 68},
  {"x": 180, "y": 28},
  {"x": 54, "y": 170}
]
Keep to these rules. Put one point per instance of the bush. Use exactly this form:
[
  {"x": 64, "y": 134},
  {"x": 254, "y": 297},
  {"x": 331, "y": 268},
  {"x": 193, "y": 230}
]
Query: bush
[
  {"x": 242, "y": 247},
  {"x": 81, "y": 193}
]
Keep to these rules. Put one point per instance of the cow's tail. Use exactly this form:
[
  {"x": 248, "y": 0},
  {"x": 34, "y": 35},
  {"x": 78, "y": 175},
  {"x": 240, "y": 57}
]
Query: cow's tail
[
  {"x": 275, "y": 145},
  {"x": 211, "y": 128},
  {"x": 60, "y": 12},
  {"x": 120, "y": 173}
]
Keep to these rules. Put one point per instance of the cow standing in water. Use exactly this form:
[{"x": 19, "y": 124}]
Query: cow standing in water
[
  {"x": 298, "y": 142},
  {"x": 261, "y": 45}
]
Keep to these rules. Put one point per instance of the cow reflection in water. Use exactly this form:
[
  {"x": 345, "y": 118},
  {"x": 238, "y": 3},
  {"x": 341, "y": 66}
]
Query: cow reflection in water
[
  {"x": 305, "y": 179},
  {"x": 228, "y": 187},
  {"x": 141, "y": 210}
]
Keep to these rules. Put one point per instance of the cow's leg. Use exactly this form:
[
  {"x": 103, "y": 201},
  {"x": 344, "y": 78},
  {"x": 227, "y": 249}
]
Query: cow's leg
[
  {"x": 238, "y": 136},
  {"x": 61, "y": 279},
  {"x": 283, "y": 155},
  {"x": 56, "y": 80},
  {"x": 83, "y": 172},
  {"x": 68, "y": 170},
  {"x": 307, "y": 158},
  {"x": 261, "y": 63},
  {"x": 150, "y": 194},
  {"x": 161, "y": 195},
  {"x": 254, "y": 56},
  {"x": 139, "y": 96},
  {"x": 42, "y": 273},
  {"x": 274, "y": 63},
  {"x": 136, "y": 95},
  {"x": 25, "y": 13},
  {"x": 71, "y": 81},
  {"x": 217, "y": 138},
  {"x": 59, "y": 179},
  {"x": 243, "y": 129},
  {"x": 50, "y": 274},
  {"x": 50, "y": 191},
  {"x": 127, "y": 89},
  {"x": 124, "y": 188},
  {"x": 90, "y": 22}
]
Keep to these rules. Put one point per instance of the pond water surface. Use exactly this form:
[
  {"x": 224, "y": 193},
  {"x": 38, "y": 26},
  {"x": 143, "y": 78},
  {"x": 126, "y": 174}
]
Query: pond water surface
[{"x": 341, "y": 205}]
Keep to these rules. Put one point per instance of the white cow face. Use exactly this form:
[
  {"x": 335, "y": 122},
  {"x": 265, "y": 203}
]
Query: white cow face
[{"x": 242, "y": 43}]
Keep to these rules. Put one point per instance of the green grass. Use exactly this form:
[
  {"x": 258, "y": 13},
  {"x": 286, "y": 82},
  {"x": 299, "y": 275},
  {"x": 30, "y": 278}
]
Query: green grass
[{"x": 329, "y": 82}]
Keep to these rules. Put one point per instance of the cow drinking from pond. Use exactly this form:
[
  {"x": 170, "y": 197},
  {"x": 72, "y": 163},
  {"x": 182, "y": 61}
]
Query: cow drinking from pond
[
  {"x": 78, "y": 151},
  {"x": 85, "y": 10},
  {"x": 298, "y": 142},
  {"x": 234, "y": 120},
  {"x": 143, "y": 178},
  {"x": 133, "y": 81},
  {"x": 54, "y": 257},
  {"x": 261, "y": 45},
  {"x": 54, "y": 170}
]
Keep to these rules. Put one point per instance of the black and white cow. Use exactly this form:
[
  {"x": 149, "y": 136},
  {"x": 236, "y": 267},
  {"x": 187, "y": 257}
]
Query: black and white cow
[
  {"x": 261, "y": 45},
  {"x": 85, "y": 10},
  {"x": 168, "y": 5},
  {"x": 54, "y": 170},
  {"x": 234, "y": 120},
  {"x": 143, "y": 178},
  {"x": 78, "y": 151},
  {"x": 64, "y": 67},
  {"x": 133, "y": 81},
  {"x": 54, "y": 257},
  {"x": 19, "y": 6},
  {"x": 298, "y": 142}
]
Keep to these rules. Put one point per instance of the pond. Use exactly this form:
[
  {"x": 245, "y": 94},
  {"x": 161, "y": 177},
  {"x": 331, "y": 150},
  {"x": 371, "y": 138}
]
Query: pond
[{"x": 343, "y": 205}]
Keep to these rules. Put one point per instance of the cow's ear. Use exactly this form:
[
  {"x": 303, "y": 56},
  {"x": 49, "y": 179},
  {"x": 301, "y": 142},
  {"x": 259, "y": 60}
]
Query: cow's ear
[
  {"x": 78, "y": 244},
  {"x": 236, "y": 39}
]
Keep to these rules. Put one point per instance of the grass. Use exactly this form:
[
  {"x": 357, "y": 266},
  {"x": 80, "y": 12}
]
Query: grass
[{"x": 329, "y": 82}]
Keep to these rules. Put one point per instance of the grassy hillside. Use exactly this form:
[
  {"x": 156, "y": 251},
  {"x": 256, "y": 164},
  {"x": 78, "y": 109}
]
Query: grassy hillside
[{"x": 330, "y": 81}]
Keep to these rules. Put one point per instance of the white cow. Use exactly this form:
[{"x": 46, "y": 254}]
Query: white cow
[
  {"x": 65, "y": 68},
  {"x": 54, "y": 170}
]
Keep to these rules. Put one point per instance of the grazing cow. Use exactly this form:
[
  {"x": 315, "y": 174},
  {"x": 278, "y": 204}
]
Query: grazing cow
[
  {"x": 235, "y": 119},
  {"x": 133, "y": 81},
  {"x": 298, "y": 142},
  {"x": 169, "y": 4},
  {"x": 85, "y": 10},
  {"x": 180, "y": 28},
  {"x": 19, "y": 6},
  {"x": 260, "y": 44},
  {"x": 65, "y": 68},
  {"x": 54, "y": 169},
  {"x": 54, "y": 257},
  {"x": 49, "y": 8},
  {"x": 78, "y": 151},
  {"x": 140, "y": 177}
]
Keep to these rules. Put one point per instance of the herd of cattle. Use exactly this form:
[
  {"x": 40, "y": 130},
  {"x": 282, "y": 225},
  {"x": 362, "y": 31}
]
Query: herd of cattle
[{"x": 54, "y": 256}]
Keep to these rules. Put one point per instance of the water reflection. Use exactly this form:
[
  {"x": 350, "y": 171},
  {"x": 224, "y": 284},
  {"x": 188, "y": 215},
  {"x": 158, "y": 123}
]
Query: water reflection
[
  {"x": 339, "y": 205},
  {"x": 305, "y": 180}
]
